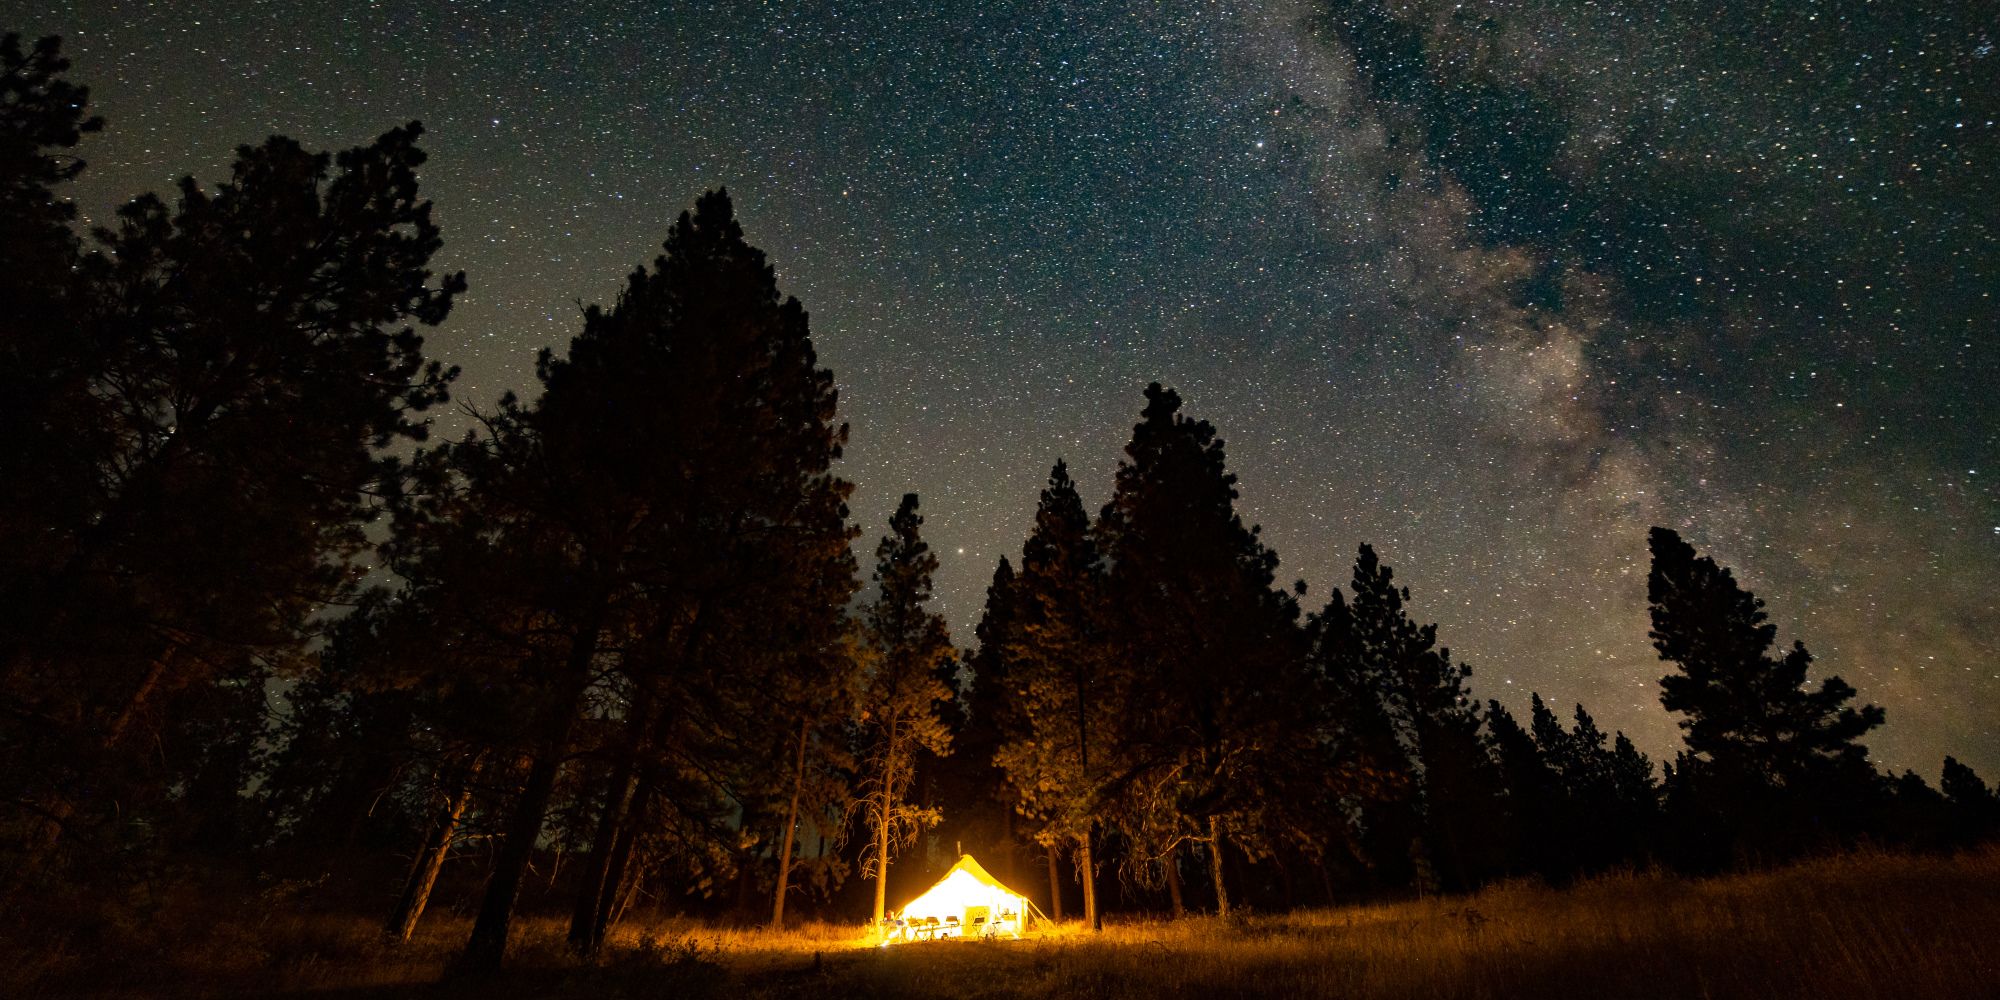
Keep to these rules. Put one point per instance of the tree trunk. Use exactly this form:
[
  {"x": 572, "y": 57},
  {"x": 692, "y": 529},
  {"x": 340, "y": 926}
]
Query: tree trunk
[
  {"x": 1088, "y": 873},
  {"x": 882, "y": 823},
  {"x": 791, "y": 831},
  {"x": 114, "y": 730},
  {"x": 49, "y": 827},
  {"x": 1055, "y": 887},
  {"x": 600, "y": 882},
  {"x": 882, "y": 865},
  {"x": 628, "y": 893},
  {"x": 601, "y": 898},
  {"x": 592, "y": 887},
  {"x": 1215, "y": 859},
  {"x": 487, "y": 946},
  {"x": 619, "y": 880},
  {"x": 1173, "y": 863},
  {"x": 1083, "y": 862},
  {"x": 430, "y": 860}
]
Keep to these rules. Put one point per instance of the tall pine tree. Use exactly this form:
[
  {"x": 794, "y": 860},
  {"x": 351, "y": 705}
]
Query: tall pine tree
[
  {"x": 232, "y": 367},
  {"x": 1422, "y": 693},
  {"x": 902, "y": 693},
  {"x": 1777, "y": 760},
  {"x": 1213, "y": 647},
  {"x": 1069, "y": 702},
  {"x": 671, "y": 484}
]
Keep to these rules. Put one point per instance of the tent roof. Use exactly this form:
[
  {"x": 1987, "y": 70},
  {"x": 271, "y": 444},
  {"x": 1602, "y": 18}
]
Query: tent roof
[
  {"x": 971, "y": 867},
  {"x": 966, "y": 863}
]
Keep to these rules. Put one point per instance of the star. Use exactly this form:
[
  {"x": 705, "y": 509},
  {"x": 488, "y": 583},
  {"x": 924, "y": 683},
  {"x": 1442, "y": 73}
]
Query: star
[{"x": 1495, "y": 297}]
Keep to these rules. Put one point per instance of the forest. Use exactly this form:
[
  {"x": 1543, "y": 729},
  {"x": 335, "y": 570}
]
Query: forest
[{"x": 609, "y": 657}]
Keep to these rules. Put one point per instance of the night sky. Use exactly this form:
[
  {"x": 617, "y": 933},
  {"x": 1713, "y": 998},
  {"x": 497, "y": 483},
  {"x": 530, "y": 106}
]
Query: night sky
[{"x": 1493, "y": 286}]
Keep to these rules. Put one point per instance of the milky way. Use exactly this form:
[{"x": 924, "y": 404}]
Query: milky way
[{"x": 1493, "y": 286}]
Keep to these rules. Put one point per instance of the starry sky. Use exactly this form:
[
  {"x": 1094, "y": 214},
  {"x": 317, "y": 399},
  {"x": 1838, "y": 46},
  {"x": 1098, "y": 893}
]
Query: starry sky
[{"x": 1491, "y": 285}]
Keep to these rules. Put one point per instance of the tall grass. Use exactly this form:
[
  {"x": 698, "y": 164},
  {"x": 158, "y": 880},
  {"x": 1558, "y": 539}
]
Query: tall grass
[{"x": 1862, "y": 926}]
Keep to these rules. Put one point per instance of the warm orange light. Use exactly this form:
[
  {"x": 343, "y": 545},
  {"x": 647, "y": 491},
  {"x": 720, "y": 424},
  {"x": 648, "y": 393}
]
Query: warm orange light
[{"x": 967, "y": 902}]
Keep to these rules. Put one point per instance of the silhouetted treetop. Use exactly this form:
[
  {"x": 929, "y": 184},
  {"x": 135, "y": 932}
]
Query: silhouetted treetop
[{"x": 1744, "y": 709}]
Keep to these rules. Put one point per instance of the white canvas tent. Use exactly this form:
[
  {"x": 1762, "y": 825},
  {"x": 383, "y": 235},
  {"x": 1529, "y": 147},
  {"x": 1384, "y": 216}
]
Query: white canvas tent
[{"x": 966, "y": 902}]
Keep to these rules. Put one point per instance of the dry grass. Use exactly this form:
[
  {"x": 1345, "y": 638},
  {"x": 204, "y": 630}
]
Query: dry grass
[{"x": 1863, "y": 926}]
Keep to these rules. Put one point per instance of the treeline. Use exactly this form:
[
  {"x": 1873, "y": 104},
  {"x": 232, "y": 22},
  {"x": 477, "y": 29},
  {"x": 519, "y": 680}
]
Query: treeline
[
  {"x": 1157, "y": 709},
  {"x": 615, "y": 634}
]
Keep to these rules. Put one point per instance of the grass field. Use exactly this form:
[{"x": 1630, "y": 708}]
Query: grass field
[{"x": 1878, "y": 926}]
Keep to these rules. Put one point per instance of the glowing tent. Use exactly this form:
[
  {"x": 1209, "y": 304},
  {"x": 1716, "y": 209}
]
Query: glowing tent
[{"x": 966, "y": 902}]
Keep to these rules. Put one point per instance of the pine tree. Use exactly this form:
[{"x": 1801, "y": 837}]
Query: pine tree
[
  {"x": 1635, "y": 794},
  {"x": 382, "y": 739},
  {"x": 669, "y": 525},
  {"x": 1069, "y": 703},
  {"x": 1214, "y": 647},
  {"x": 49, "y": 417},
  {"x": 1536, "y": 805},
  {"x": 1975, "y": 809},
  {"x": 902, "y": 694},
  {"x": 1423, "y": 692},
  {"x": 247, "y": 353},
  {"x": 1593, "y": 795},
  {"x": 1380, "y": 815},
  {"x": 1745, "y": 710},
  {"x": 1551, "y": 737},
  {"x": 991, "y": 702},
  {"x": 1785, "y": 758},
  {"x": 1600, "y": 804},
  {"x": 971, "y": 789},
  {"x": 814, "y": 696}
]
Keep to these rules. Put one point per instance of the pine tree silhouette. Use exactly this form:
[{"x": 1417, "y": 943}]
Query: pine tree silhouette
[
  {"x": 236, "y": 364},
  {"x": 676, "y": 549},
  {"x": 1975, "y": 809},
  {"x": 902, "y": 694},
  {"x": 1213, "y": 646},
  {"x": 1781, "y": 758},
  {"x": 1422, "y": 691},
  {"x": 1070, "y": 704},
  {"x": 972, "y": 791},
  {"x": 49, "y": 417},
  {"x": 1536, "y": 804}
]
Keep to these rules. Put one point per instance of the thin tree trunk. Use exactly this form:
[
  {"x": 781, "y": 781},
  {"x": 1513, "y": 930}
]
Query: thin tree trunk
[
  {"x": 61, "y": 808},
  {"x": 114, "y": 730},
  {"x": 599, "y": 899},
  {"x": 487, "y": 947},
  {"x": 1173, "y": 863},
  {"x": 1055, "y": 887},
  {"x": 627, "y": 894},
  {"x": 1083, "y": 861},
  {"x": 791, "y": 831},
  {"x": 882, "y": 865},
  {"x": 1215, "y": 859},
  {"x": 592, "y": 887},
  {"x": 882, "y": 823},
  {"x": 1088, "y": 872},
  {"x": 599, "y": 882},
  {"x": 429, "y": 861},
  {"x": 619, "y": 882}
]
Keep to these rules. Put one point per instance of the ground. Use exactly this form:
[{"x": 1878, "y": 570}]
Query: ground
[{"x": 1855, "y": 926}]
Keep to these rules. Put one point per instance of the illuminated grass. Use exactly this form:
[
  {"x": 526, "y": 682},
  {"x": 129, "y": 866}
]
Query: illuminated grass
[{"x": 1857, "y": 926}]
